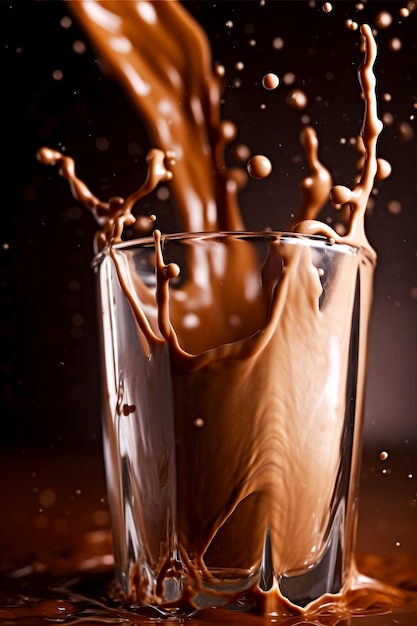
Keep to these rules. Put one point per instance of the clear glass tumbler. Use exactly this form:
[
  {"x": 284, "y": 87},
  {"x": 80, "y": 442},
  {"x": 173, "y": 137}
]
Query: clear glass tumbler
[{"x": 233, "y": 374}]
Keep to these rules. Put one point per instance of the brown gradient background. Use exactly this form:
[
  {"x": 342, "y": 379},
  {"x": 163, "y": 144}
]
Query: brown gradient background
[{"x": 49, "y": 349}]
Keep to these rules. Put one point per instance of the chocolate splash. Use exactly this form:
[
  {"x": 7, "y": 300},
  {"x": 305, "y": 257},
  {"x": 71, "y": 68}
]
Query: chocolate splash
[{"x": 214, "y": 208}]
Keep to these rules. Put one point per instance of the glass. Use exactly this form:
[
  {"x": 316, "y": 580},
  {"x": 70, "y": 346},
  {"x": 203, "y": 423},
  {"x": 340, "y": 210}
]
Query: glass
[{"x": 232, "y": 401}]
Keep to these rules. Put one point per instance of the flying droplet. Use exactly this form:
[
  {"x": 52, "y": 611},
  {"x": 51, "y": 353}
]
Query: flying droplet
[
  {"x": 383, "y": 169},
  {"x": 339, "y": 194},
  {"x": 259, "y": 166},
  {"x": 270, "y": 81},
  {"x": 297, "y": 99}
]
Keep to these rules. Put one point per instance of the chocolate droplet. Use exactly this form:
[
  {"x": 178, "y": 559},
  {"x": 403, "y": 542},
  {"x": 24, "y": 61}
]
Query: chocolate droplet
[{"x": 259, "y": 166}]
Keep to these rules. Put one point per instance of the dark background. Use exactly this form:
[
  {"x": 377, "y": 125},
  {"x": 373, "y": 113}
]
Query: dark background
[{"x": 49, "y": 348}]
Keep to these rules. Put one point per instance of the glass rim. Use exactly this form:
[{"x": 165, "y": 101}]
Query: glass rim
[{"x": 273, "y": 235}]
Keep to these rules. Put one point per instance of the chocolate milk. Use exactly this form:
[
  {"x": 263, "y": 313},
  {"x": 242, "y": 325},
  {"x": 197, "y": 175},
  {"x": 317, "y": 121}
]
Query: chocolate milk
[{"x": 170, "y": 80}]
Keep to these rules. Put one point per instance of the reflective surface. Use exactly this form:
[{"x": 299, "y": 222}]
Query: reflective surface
[{"x": 57, "y": 573}]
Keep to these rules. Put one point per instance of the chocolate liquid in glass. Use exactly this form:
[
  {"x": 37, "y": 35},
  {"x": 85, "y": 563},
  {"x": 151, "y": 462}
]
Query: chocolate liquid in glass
[{"x": 193, "y": 132}]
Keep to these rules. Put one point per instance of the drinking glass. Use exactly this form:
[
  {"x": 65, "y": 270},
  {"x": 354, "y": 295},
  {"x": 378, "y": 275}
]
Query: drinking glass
[{"x": 233, "y": 374}]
